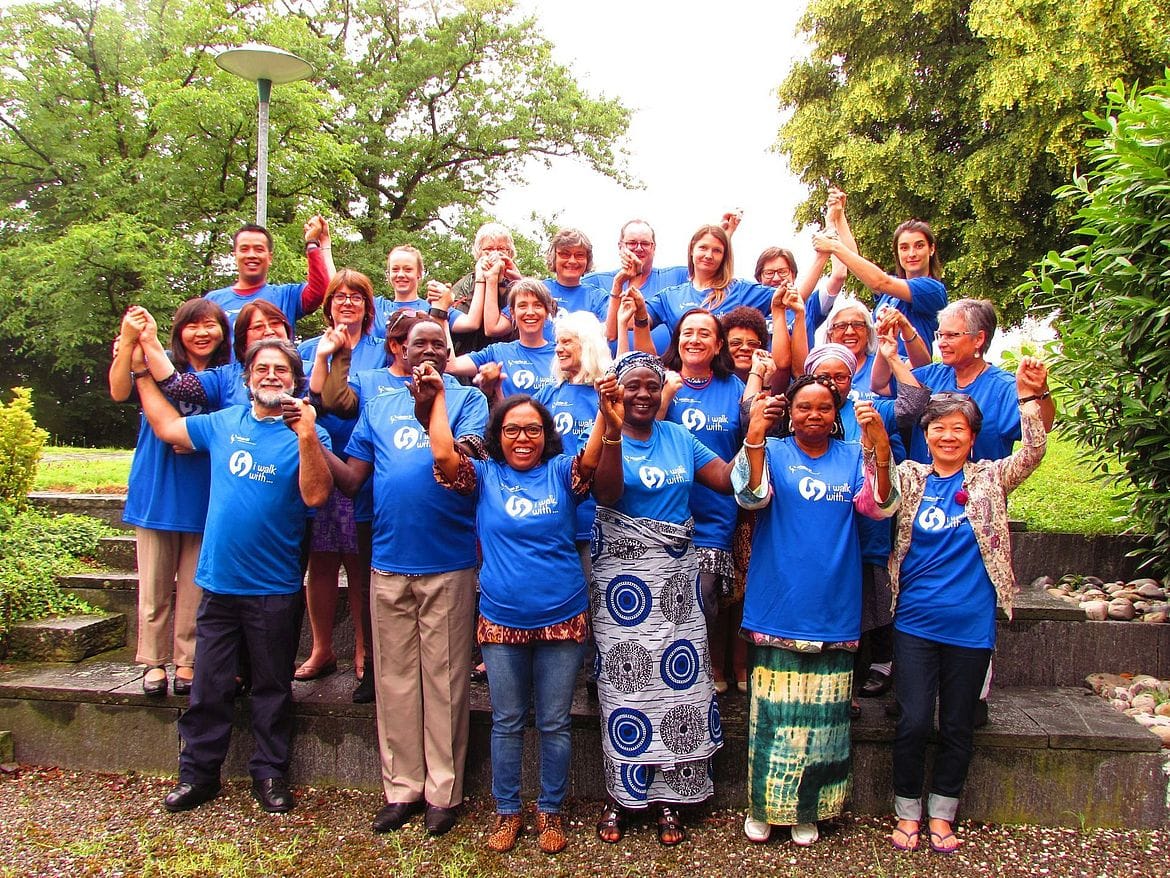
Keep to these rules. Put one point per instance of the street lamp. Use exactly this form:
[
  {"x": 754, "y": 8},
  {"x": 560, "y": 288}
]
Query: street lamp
[{"x": 263, "y": 65}]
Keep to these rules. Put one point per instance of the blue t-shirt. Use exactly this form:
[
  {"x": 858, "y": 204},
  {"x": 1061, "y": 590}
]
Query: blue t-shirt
[
  {"x": 165, "y": 490},
  {"x": 574, "y": 409},
  {"x": 994, "y": 391},
  {"x": 527, "y": 369},
  {"x": 368, "y": 385},
  {"x": 384, "y": 307},
  {"x": 669, "y": 305},
  {"x": 804, "y": 578},
  {"x": 255, "y": 517},
  {"x": 928, "y": 296},
  {"x": 583, "y": 297},
  {"x": 876, "y": 534},
  {"x": 527, "y": 521},
  {"x": 406, "y": 495},
  {"x": 658, "y": 473},
  {"x": 286, "y": 297},
  {"x": 224, "y": 386},
  {"x": 370, "y": 353},
  {"x": 659, "y": 279},
  {"x": 711, "y": 413},
  {"x": 944, "y": 591}
]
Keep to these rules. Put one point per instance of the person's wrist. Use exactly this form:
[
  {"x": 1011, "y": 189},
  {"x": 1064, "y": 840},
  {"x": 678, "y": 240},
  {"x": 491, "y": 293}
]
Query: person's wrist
[{"x": 312, "y": 244}]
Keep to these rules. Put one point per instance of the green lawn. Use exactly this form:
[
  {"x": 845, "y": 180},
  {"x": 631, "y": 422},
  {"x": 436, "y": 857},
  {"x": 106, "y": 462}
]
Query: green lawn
[{"x": 1063, "y": 495}]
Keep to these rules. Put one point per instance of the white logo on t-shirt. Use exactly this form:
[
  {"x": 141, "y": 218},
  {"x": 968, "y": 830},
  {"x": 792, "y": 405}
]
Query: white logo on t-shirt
[
  {"x": 406, "y": 438},
  {"x": 652, "y": 477},
  {"x": 524, "y": 379},
  {"x": 518, "y": 507},
  {"x": 563, "y": 421},
  {"x": 694, "y": 419},
  {"x": 932, "y": 518},
  {"x": 240, "y": 463},
  {"x": 813, "y": 489}
]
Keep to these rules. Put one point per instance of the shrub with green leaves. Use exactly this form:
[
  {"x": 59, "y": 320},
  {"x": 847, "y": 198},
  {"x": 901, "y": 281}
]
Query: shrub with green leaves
[
  {"x": 1113, "y": 294},
  {"x": 36, "y": 548},
  {"x": 21, "y": 441}
]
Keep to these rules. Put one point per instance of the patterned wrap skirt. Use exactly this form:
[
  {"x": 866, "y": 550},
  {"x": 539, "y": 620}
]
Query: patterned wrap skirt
[
  {"x": 660, "y": 721},
  {"x": 799, "y": 767}
]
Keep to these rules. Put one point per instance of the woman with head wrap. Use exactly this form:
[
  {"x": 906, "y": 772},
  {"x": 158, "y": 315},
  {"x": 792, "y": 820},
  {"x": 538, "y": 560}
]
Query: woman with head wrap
[{"x": 660, "y": 718}]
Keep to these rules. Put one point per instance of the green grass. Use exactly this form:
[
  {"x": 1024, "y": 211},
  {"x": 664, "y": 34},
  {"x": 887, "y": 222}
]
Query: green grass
[
  {"x": 1065, "y": 495},
  {"x": 83, "y": 470}
]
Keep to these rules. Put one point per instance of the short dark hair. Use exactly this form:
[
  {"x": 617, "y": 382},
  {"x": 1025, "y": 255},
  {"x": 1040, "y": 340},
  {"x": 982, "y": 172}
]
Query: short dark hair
[
  {"x": 552, "y": 439},
  {"x": 244, "y": 319},
  {"x": 195, "y": 311},
  {"x": 356, "y": 282},
  {"x": 252, "y": 227},
  {"x": 770, "y": 253},
  {"x": 942, "y": 404},
  {"x": 746, "y": 317},
  {"x": 722, "y": 365},
  {"x": 295, "y": 363}
]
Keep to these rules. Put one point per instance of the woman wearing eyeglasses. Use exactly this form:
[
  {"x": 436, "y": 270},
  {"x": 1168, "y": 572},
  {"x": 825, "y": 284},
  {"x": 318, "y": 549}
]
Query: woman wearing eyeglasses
[
  {"x": 966, "y": 328},
  {"x": 531, "y": 627},
  {"x": 349, "y": 312},
  {"x": 950, "y": 563}
]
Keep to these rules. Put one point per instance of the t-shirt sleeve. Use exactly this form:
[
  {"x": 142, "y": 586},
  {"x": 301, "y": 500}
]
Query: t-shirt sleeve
[
  {"x": 323, "y": 435},
  {"x": 927, "y": 295},
  {"x": 199, "y": 431},
  {"x": 361, "y": 443},
  {"x": 490, "y": 354},
  {"x": 472, "y": 419},
  {"x": 213, "y": 383},
  {"x": 656, "y": 308},
  {"x": 702, "y": 454}
]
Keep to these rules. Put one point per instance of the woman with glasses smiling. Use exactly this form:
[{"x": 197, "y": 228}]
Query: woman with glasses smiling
[{"x": 532, "y": 627}]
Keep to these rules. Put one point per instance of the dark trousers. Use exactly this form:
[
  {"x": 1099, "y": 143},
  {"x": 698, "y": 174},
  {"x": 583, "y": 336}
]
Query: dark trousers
[
  {"x": 267, "y": 625},
  {"x": 926, "y": 669}
]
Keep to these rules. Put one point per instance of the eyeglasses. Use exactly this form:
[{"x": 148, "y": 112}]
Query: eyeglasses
[
  {"x": 638, "y": 245},
  {"x": 356, "y": 298},
  {"x": 949, "y": 396},
  {"x": 777, "y": 273},
  {"x": 734, "y": 344},
  {"x": 532, "y": 431},
  {"x": 398, "y": 317},
  {"x": 849, "y": 324},
  {"x": 949, "y": 336}
]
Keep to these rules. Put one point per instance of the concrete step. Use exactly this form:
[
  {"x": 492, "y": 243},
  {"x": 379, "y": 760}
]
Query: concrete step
[
  {"x": 118, "y": 553},
  {"x": 70, "y": 639},
  {"x": 1052, "y": 756},
  {"x": 107, "y": 507}
]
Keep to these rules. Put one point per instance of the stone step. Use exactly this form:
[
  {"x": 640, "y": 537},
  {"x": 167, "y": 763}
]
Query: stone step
[
  {"x": 70, "y": 639},
  {"x": 118, "y": 553},
  {"x": 1052, "y": 756},
  {"x": 107, "y": 507}
]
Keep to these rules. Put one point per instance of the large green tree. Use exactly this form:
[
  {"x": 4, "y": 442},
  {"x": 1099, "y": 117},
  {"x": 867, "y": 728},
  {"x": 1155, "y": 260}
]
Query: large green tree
[
  {"x": 965, "y": 113},
  {"x": 127, "y": 157}
]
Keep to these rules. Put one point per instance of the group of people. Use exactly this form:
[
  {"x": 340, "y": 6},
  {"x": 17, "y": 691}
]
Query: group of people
[{"x": 682, "y": 480}]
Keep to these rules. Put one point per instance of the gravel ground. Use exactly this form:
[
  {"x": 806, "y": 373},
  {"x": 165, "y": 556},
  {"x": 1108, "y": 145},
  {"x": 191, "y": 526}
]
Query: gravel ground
[{"x": 70, "y": 823}]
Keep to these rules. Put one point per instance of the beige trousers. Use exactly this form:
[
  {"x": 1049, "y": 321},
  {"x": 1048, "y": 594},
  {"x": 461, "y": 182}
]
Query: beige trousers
[
  {"x": 167, "y": 596},
  {"x": 422, "y": 658}
]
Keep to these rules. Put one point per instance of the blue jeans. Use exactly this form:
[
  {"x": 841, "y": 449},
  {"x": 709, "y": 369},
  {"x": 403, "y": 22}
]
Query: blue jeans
[
  {"x": 544, "y": 671},
  {"x": 926, "y": 669}
]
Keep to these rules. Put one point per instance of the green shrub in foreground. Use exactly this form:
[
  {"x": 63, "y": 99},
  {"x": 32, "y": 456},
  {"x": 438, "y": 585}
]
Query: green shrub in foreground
[
  {"x": 1113, "y": 295},
  {"x": 35, "y": 548},
  {"x": 21, "y": 441}
]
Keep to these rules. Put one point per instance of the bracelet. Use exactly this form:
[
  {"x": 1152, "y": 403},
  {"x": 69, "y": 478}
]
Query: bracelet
[
  {"x": 885, "y": 465},
  {"x": 438, "y": 312},
  {"x": 136, "y": 375},
  {"x": 866, "y": 450},
  {"x": 605, "y": 440},
  {"x": 754, "y": 374},
  {"x": 310, "y": 246},
  {"x": 1035, "y": 398},
  {"x": 910, "y": 340},
  {"x": 641, "y": 322},
  {"x": 747, "y": 444}
]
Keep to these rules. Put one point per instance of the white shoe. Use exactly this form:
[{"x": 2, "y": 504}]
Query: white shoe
[
  {"x": 805, "y": 834},
  {"x": 756, "y": 830}
]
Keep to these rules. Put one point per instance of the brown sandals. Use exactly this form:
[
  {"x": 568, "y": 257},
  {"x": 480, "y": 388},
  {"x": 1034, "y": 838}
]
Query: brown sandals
[{"x": 611, "y": 827}]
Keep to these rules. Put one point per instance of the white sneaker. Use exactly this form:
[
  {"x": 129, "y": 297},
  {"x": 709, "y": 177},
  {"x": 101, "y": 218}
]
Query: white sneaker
[
  {"x": 756, "y": 830},
  {"x": 805, "y": 834}
]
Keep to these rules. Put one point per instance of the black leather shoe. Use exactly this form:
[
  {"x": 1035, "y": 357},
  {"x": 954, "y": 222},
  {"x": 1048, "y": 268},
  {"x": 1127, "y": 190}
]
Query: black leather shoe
[
  {"x": 180, "y": 686},
  {"x": 155, "y": 688},
  {"x": 273, "y": 795},
  {"x": 441, "y": 820},
  {"x": 980, "y": 714},
  {"x": 395, "y": 814},
  {"x": 363, "y": 692},
  {"x": 186, "y": 796},
  {"x": 876, "y": 684}
]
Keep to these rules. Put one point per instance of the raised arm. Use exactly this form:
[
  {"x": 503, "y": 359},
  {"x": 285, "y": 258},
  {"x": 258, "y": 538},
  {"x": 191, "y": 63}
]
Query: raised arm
[
  {"x": 314, "y": 477},
  {"x": 605, "y": 439},
  {"x": 1032, "y": 384},
  {"x": 120, "y": 376},
  {"x": 871, "y": 275},
  {"x": 609, "y": 478},
  {"x": 319, "y": 255},
  {"x": 429, "y": 393},
  {"x": 166, "y": 422}
]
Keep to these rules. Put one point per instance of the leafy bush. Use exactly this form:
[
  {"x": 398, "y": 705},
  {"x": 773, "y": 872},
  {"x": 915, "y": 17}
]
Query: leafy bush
[
  {"x": 21, "y": 441},
  {"x": 35, "y": 548},
  {"x": 1113, "y": 293}
]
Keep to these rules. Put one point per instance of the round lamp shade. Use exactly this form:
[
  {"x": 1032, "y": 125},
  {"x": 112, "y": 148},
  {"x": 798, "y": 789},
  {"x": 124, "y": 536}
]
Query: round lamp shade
[{"x": 255, "y": 62}]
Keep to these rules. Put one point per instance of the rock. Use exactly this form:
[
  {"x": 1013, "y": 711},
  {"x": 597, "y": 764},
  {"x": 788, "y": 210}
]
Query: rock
[
  {"x": 1120, "y": 610},
  {"x": 1092, "y": 594},
  {"x": 1162, "y": 732},
  {"x": 1142, "y": 580},
  {"x": 1160, "y": 607},
  {"x": 1105, "y": 684},
  {"x": 1141, "y": 607},
  {"x": 1160, "y": 617},
  {"x": 1093, "y": 580},
  {"x": 1163, "y": 709},
  {"x": 1114, "y": 589},
  {"x": 1119, "y": 704},
  {"x": 1151, "y": 591},
  {"x": 1043, "y": 582},
  {"x": 1125, "y": 594},
  {"x": 1096, "y": 611},
  {"x": 1144, "y": 703}
]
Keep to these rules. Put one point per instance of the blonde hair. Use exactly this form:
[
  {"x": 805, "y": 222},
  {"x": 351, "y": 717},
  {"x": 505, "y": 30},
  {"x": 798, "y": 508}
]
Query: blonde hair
[{"x": 595, "y": 358}]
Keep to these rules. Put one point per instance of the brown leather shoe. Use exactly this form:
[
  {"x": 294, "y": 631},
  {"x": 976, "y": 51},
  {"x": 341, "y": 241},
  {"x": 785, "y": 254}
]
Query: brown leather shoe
[
  {"x": 507, "y": 830},
  {"x": 552, "y": 832}
]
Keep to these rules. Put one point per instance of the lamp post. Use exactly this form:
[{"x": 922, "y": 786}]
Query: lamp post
[{"x": 263, "y": 65}]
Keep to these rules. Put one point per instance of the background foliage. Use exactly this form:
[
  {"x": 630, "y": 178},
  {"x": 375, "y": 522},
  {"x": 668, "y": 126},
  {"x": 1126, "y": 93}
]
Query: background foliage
[
  {"x": 127, "y": 157},
  {"x": 1113, "y": 292},
  {"x": 21, "y": 441},
  {"x": 964, "y": 113}
]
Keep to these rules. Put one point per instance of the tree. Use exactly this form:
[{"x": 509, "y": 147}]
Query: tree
[
  {"x": 1112, "y": 290},
  {"x": 965, "y": 113},
  {"x": 127, "y": 158}
]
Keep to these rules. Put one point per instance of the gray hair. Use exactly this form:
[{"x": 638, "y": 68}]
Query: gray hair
[
  {"x": 492, "y": 230},
  {"x": 977, "y": 314},
  {"x": 942, "y": 404},
  {"x": 595, "y": 358},
  {"x": 848, "y": 302},
  {"x": 563, "y": 240},
  {"x": 295, "y": 363}
]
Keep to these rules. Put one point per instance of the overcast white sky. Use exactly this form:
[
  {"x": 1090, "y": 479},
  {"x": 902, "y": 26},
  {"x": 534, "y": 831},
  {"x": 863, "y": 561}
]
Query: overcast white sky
[{"x": 700, "y": 78}]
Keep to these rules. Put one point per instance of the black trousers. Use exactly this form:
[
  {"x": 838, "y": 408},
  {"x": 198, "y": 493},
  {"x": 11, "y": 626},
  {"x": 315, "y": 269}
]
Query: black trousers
[{"x": 267, "y": 625}]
